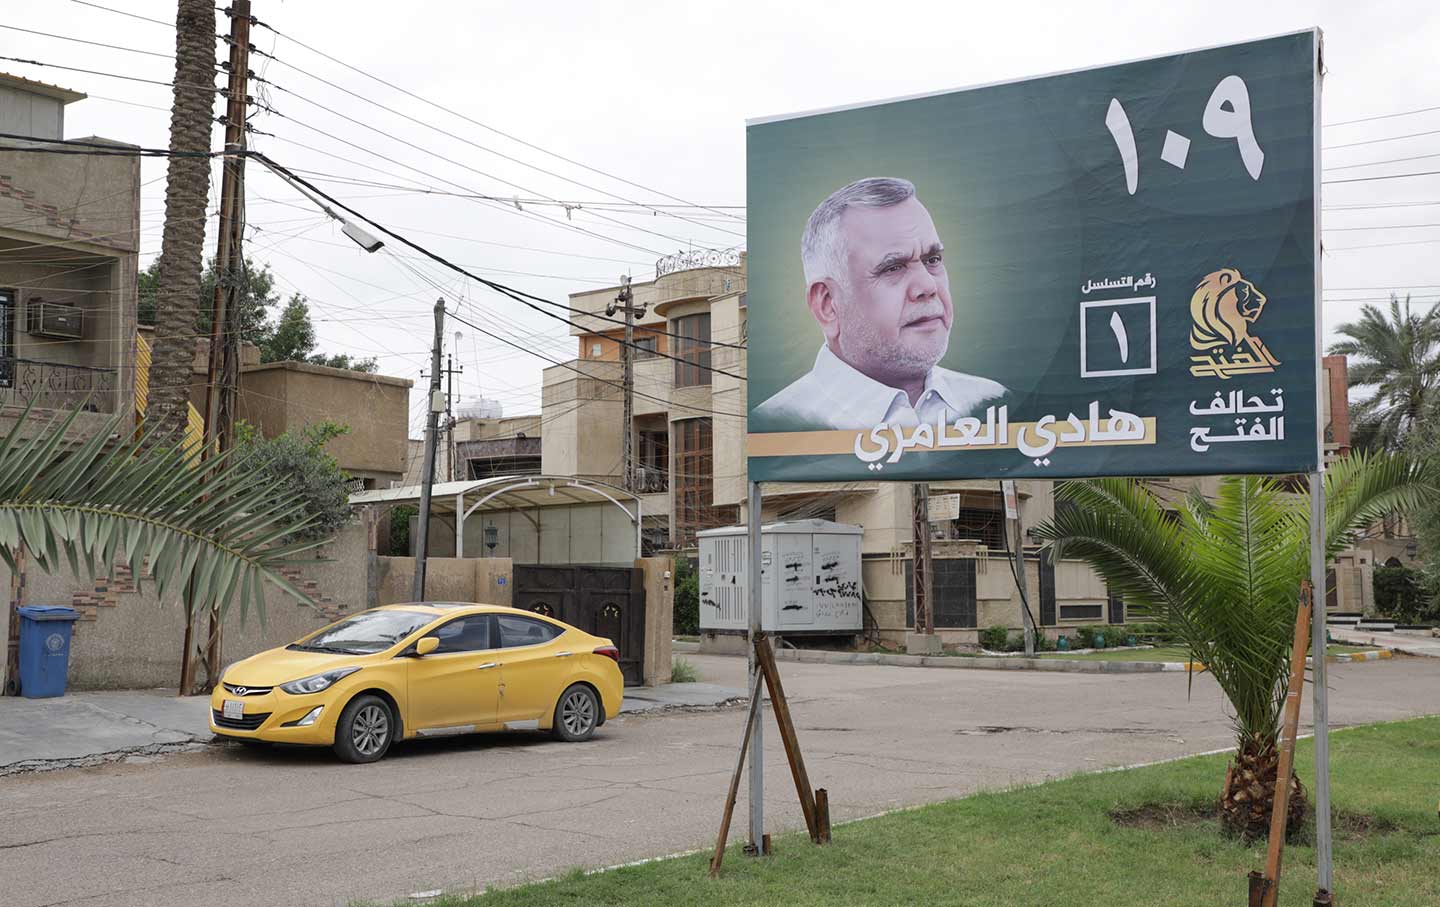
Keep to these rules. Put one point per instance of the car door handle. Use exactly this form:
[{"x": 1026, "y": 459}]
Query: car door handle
[
  {"x": 487, "y": 665},
  {"x": 563, "y": 654}
]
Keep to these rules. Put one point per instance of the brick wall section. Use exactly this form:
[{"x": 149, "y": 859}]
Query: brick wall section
[
  {"x": 332, "y": 609},
  {"x": 104, "y": 594}
]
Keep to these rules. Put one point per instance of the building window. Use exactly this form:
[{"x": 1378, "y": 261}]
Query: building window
[
  {"x": 694, "y": 482},
  {"x": 7, "y": 338},
  {"x": 653, "y": 460},
  {"x": 595, "y": 349},
  {"x": 645, "y": 348},
  {"x": 692, "y": 352},
  {"x": 981, "y": 525},
  {"x": 1082, "y": 612}
]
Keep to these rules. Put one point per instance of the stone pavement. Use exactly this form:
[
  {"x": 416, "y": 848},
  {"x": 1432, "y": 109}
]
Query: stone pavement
[
  {"x": 89, "y": 728},
  {"x": 1425, "y": 646},
  {"x": 294, "y": 827}
]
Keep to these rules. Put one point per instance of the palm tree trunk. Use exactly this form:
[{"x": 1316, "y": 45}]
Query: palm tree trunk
[
  {"x": 1249, "y": 795},
  {"x": 186, "y": 195}
]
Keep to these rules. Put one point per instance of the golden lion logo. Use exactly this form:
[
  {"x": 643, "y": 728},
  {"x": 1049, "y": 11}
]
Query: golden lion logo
[{"x": 1225, "y": 307}]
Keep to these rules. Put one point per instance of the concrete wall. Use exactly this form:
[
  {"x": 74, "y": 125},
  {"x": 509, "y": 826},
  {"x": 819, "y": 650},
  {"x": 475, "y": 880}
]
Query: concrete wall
[
  {"x": 128, "y": 638},
  {"x": 659, "y": 618},
  {"x": 287, "y": 396},
  {"x": 582, "y": 420},
  {"x": 472, "y": 579}
]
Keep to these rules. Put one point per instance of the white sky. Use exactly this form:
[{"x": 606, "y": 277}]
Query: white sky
[{"x": 658, "y": 93}]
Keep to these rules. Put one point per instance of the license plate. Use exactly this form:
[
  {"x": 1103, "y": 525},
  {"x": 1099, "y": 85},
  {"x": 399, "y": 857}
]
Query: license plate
[{"x": 233, "y": 709}]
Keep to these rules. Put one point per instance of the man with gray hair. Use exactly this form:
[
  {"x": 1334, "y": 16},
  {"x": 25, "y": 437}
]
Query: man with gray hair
[{"x": 876, "y": 284}]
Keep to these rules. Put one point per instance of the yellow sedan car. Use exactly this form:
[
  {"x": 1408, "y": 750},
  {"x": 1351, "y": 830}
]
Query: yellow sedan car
[{"x": 420, "y": 670}]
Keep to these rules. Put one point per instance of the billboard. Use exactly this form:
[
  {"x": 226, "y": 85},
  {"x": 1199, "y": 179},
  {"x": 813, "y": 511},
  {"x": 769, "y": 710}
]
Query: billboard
[{"x": 1104, "y": 272}]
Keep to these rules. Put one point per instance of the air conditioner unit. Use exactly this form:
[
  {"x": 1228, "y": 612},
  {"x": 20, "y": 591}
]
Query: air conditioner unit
[{"x": 51, "y": 319}]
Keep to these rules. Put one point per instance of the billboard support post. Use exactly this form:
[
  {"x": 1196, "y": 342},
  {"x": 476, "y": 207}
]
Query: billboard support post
[
  {"x": 1320, "y": 703},
  {"x": 757, "y": 748}
]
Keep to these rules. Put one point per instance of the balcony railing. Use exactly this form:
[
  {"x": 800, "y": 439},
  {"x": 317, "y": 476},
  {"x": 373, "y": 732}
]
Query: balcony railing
[
  {"x": 55, "y": 385},
  {"x": 651, "y": 481}
]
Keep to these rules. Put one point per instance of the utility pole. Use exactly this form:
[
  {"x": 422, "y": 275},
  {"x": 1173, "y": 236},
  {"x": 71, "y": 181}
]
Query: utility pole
[
  {"x": 436, "y": 404},
  {"x": 450, "y": 422},
  {"x": 449, "y": 468},
  {"x": 222, "y": 378},
  {"x": 625, "y": 302},
  {"x": 923, "y": 579},
  {"x": 1022, "y": 580}
]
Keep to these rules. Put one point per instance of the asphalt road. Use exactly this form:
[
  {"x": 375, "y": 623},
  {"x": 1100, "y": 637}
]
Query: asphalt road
[{"x": 233, "y": 826}]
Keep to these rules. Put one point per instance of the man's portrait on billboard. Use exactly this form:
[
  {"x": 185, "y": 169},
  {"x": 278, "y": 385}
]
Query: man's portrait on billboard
[{"x": 877, "y": 287}]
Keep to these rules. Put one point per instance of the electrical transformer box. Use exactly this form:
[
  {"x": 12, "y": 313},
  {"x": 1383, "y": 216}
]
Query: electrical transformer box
[{"x": 809, "y": 574}]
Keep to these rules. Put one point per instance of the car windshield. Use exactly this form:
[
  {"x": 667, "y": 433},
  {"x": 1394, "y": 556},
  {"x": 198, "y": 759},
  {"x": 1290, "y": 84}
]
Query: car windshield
[{"x": 370, "y": 631}]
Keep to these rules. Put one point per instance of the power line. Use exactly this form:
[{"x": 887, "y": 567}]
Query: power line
[
  {"x": 459, "y": 138},
  {"x": 468, "y": 119},
  {"x": 1392, "y": 138},
  {"x": 1383, "y": 116},
  {"x": 121, "y": 12},
  {"x": 435, "y": 154},
  {"x": 498, "y": 287},
  {"x": 108, "y": 75},
  {"x": 1392, "y": 176},
  {"x": 133, "y": 50},
  {"x": 95, "y": 149}
]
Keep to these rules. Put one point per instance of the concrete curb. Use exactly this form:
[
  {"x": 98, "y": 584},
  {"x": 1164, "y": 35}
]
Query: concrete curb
[{"x": 1012, "y": 663}]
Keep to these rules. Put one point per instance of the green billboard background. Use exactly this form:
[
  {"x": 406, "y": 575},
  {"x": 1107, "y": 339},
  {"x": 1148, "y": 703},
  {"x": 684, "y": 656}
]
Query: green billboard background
[{"x": 1029, "y": 193}]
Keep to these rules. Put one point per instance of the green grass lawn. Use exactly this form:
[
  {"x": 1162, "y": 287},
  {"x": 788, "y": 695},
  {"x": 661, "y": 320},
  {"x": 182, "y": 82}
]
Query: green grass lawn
[
  {"x": 1169, "y": 653},
  {"x": 1060, "y": 843}
]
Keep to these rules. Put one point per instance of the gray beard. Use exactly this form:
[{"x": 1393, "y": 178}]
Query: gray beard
[{"x": 885, "y": 360}]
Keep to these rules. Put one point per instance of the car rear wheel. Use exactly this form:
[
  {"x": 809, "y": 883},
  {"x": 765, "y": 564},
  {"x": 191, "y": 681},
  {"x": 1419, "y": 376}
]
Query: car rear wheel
[
  {"x": 577, "y": 714},
  {"x": 365, "y": 730}
]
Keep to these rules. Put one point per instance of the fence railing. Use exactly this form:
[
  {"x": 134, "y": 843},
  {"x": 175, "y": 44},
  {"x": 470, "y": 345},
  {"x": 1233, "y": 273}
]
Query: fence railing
[{"x": 56, "y": 385}]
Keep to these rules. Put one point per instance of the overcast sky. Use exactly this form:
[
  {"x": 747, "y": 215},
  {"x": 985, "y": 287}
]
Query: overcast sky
[{"x": 658, "y": 94}]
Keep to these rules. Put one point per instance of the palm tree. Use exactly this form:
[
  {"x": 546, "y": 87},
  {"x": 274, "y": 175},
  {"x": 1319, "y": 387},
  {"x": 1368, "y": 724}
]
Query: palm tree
[
  {"x": 187, "y": 190},
  {"x": 1396, "y": 355},
  {"x": 1224, "y": 576},
  {"x": 217, "y": 530}
]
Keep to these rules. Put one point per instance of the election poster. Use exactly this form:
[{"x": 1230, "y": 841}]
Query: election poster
[{"x": 1104, "y": 272}]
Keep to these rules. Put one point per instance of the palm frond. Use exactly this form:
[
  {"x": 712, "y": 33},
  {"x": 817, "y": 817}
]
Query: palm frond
[
  {"x": 1225, "y": 576},
  {"x": 86, "y": 504}
]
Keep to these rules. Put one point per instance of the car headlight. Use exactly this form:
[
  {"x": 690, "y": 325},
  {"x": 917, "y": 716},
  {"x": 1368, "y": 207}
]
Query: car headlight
[{"x": 316, "y": 682}]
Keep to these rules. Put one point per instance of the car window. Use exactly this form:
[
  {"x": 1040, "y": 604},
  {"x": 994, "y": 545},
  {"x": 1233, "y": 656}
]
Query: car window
[
  {"x": 463, "y": 634},
  {"x": 524, "y": 631},
  {"x": 368, "y": 631}
]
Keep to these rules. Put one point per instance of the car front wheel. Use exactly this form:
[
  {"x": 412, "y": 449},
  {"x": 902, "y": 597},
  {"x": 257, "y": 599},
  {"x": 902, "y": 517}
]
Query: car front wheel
[
  {"x": 365, "y": 730},
  {"x": 577, "y": 714}
]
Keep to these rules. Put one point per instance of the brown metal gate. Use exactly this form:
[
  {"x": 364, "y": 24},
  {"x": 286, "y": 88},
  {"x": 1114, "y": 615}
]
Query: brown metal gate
[{"x": 606, "y": 601}]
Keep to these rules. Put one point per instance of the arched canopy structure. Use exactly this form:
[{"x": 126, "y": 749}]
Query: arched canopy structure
[{"x": 527, "y": 496}]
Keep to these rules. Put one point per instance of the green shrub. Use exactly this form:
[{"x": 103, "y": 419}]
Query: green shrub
[
  {"x": 1400, "y": 595},
  {"x": 682, "y": 671},
  {"x": 687, "y": 597},
  {"x": 995, "y": 638}
]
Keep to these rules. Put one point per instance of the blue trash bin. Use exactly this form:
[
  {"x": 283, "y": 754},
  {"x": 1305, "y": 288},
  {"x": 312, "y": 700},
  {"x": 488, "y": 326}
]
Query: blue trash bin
[{"x": 45, "y": 649}]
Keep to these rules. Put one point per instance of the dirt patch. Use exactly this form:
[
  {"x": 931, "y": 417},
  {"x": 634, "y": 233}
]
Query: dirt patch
[
  {"x": 1153, "y": 816},
  {"x": 1158, "y": 816}
]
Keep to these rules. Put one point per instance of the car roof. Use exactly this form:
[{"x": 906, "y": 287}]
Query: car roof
[{"x": 438, "y": 608}]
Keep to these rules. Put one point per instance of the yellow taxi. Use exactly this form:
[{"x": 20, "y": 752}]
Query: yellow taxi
[{"x": 419, "y": 670}]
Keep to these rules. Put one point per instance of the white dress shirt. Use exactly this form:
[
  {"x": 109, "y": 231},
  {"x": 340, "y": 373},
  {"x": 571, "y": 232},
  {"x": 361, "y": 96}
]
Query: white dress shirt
[{"x": 833, "y": 395}]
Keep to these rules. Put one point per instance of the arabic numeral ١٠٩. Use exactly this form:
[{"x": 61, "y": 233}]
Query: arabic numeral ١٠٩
[{"x": 1226, "y": 116}]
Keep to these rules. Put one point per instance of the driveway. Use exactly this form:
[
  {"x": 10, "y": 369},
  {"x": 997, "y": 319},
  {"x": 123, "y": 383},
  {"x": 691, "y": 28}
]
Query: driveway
[{"x": 233, "y": 826}]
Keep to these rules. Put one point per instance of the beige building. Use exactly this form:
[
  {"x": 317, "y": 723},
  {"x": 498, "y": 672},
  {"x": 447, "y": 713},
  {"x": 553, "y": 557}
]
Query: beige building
[
  {"x": 69, "y": 256},
  {"x": 690, "y": 449}
]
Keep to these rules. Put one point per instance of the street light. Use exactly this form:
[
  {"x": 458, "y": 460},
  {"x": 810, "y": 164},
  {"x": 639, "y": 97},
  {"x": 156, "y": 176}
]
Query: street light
[
  {"x": 492, "y": 536},
  {"x": 362, "y": 237}
]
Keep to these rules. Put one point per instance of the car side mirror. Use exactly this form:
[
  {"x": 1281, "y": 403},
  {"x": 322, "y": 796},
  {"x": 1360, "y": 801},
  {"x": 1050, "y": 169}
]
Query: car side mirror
[{"x": 426, "y": 645}]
